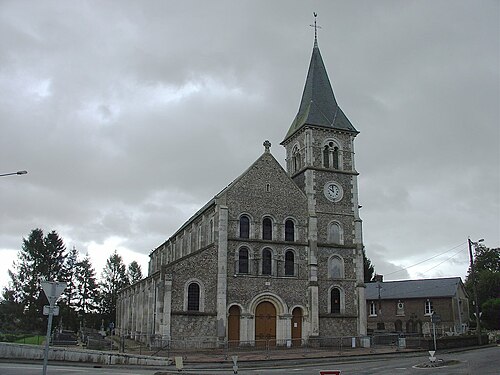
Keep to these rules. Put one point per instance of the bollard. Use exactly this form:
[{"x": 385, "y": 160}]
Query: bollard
[
  {"x": 235, "y": 364},
  {"x": 179, "y": 365}
]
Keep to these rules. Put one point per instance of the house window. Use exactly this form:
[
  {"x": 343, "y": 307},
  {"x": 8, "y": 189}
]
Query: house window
[
  {"x": 267, "y": 258},
  {"x": 335, "y": 301},
  {"x": 289, "y": 230},
  {"x": 193, "y": 297},
  {"x": 267, "y": 229},
  {"x": 373, "y": 308},
  {"x": 428, "y": 307},
  {"x": 244, "y": 227},
  {"x": 336, "y": 267},
  {"x": 243, "y": 260},
  {"x": 335, "y": 234},
  {"x": 289, "y": 263}
]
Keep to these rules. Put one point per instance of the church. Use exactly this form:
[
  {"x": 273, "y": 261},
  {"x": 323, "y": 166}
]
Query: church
[{"x": 276, "y": 256}]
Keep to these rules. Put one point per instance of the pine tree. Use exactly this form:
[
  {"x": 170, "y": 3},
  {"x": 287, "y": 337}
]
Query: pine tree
[
  {"x": 114, "y": 278},
  {"x": 69, "y": 298},
  {"x": 41, "y": 258},
  {"x": 134, "y": 272},
  {"x": 87, "y": 296}
]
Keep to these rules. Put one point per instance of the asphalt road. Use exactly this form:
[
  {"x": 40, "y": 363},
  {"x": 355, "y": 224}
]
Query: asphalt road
[{"x": 483, "y": 361}]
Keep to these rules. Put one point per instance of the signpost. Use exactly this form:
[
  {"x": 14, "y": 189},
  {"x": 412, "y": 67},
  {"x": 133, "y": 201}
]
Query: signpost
[{"x": 52, "y": 290}]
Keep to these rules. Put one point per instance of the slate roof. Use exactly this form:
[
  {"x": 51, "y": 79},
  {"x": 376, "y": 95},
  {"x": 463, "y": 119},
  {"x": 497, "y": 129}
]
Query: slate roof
[
  {"x": 425, "y": 288},
  {"x": 318, "y": 106}
]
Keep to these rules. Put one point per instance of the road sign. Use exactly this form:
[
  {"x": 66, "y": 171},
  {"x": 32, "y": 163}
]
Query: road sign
[
  {"x": 53, "y": 290},
  {"x": 55, "y": 310}
]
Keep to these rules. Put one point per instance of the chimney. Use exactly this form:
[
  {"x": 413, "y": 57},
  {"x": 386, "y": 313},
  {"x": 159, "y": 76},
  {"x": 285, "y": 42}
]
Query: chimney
[{"x": 379, "y": 278}]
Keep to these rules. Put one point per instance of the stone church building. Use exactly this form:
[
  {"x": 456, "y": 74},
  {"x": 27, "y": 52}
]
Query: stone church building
[{"x": 276, "y": 255}]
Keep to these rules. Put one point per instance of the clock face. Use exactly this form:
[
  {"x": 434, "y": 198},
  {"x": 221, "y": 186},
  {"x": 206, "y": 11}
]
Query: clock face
[{"x": 333, "y": 191}]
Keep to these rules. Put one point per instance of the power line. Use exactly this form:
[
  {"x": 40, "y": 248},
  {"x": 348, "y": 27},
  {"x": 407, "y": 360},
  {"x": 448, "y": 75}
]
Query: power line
[
  {"x": 425, "y": 260},
  {"x": 437, "y": 265}
]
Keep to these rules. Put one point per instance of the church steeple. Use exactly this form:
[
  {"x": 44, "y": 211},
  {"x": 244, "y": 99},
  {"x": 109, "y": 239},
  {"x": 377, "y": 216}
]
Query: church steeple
[{"x": 318, "y": 106}]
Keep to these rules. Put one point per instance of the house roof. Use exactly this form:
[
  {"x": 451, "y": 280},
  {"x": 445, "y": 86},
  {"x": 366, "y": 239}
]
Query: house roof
[
  {"x": 318, "y": 106},
  {"x": 425, "y": 288}
]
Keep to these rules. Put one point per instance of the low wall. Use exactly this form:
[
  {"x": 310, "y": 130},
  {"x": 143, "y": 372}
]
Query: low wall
[
  {"x": 34, "y": 352},
  {"x": 452, "y": 342}
]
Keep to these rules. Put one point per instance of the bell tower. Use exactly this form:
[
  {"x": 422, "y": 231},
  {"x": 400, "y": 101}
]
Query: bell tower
[{"x": 320, "y": 159}]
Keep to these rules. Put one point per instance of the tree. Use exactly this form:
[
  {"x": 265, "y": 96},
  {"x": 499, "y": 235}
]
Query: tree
[
  {"x": 368, "y": 268},
  {"x": 41, "y": 258},
  {"x": 68, "y": 299},
  {"x": 87, "y": 296},
  {"x": 134, "y": 272},
  {"x": 114, "y": 278},
  {"x": 487, "y": 272}
]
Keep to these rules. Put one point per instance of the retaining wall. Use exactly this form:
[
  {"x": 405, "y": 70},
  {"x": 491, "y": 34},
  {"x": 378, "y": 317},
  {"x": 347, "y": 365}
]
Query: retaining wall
[{"x": 34, "y": 352}]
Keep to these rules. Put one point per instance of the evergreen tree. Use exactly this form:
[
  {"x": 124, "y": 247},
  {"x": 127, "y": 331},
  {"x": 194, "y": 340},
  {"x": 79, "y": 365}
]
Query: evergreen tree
[
  {"x": 87, "y": 296},
  {"x": 114, "y": 278},
  {"x": 69, "y": 298},
  {"x": 134, "y": 272},
  {"x": 369, "y": 270},
  {"x": 41, "y": 258}
]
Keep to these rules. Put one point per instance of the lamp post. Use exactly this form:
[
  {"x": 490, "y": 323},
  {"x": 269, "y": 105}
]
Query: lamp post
[
  {"x": 474, "y": 287},
  {"x": 13, "y": 173}
]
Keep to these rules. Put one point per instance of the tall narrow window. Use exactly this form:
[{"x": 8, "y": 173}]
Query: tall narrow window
[
  {"x": 373, "y": 308},
  {"x": 296, "y": 160},
  {"x": 335, "y": 234},
  {"x": 335, "y": 157},
  {"x": 193, "y": 299},
  {"x": 289, "y": 230},
  {"x": 336, "y": 267},
  {"x": 326, "y": 157},
  {"x": 243, "y": 260},
  {"x": 335, "y": 301},
  {"x": 267, "y": 259},
  {"x": 267, "y": 229},
  {"x": 244, "y": 227},
  {"x": 211, "y": 234},
  {"x": 289, "y": 263}
]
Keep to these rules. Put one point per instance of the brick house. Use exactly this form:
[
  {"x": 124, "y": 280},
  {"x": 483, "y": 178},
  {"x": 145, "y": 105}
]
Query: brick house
[
  {"x": 276, "y": 255},
  {"x": 406, "y": 306}
]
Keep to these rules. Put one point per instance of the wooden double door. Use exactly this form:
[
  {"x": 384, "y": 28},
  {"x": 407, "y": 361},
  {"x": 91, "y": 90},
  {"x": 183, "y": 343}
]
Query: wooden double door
[{"x": 265, "y": 324}]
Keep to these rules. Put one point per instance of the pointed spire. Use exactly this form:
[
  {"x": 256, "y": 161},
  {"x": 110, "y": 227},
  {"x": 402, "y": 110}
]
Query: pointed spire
[{"x": 318, "y": 106}]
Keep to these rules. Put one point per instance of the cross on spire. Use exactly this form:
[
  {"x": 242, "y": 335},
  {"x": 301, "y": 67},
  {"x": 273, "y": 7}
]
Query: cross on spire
[{"x": 316, "y": 27}]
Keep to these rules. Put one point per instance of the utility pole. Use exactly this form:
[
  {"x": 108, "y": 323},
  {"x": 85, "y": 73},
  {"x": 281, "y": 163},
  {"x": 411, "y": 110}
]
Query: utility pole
[{"x": 474, "y": 287}]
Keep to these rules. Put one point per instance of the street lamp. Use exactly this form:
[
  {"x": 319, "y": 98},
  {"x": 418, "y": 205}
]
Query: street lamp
[
  {"x": 474, "y": 287},
  {"x": 13, "y": 173}
]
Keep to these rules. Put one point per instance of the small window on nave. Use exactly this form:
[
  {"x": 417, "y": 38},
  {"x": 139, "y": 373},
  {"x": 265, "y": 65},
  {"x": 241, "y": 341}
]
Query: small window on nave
[
  {"x": 244, "y": 227},
  {"x": 267, "y": 229},
  {"x": 289, "y": 263},
  {"x": 289, "y": 230},
  {"x": 193, "y": 297},
  {"x": 267, "y": 262}
]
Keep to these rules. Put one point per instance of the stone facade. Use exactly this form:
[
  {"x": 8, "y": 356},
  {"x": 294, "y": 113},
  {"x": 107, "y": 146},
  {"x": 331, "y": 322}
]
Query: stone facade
[{"x": 276, "y": 255}]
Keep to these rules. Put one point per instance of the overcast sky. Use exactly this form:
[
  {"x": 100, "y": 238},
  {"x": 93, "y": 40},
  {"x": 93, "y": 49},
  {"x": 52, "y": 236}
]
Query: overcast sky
[{"x": 131, "y": 115}]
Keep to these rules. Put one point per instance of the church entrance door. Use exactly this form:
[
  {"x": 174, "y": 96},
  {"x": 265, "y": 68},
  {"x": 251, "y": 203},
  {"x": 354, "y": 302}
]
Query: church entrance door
[
  {"x": 265, "y": 324},
  {"x": 297, "y": 326},
  {"x": 233, "y": 329}
]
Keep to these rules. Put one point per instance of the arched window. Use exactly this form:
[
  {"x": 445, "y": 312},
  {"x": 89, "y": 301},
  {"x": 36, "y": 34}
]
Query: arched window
[
  {"x": 193, "y": 297},
  {"x": 336, "y": 267},
  {"x": 335, "y": 301},
  {"x": 267, "y": 229},
  {"x": 243, "y": 260},
  {"x": 289, "y": 263},
  {"x": 267, "y": 262},
  {"x": 331, "y": 155},
  {"x": 289, "y": 230},
  {"x": 244, "y": 227},
  {"x": 335, "y": 234}
]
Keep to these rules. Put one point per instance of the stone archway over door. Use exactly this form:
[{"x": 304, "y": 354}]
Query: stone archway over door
[
  {"x": 233, "y": 329},
  {"x": 297, "y": 326},
  {"x": 265, "y": 324}
]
